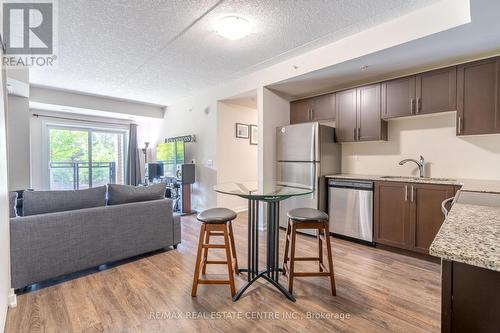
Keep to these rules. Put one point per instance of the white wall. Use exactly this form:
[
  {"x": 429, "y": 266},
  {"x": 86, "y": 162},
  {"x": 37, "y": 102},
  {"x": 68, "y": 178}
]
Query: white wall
[
  {"x": 198, "y": 117},
  {"x": 18, "y": 140},
  {"x": 274, "y": 111},
  {"x": 4, "y": 209},
  {"x": 446, "y": 155},
  {"x": 236, "y": 158}
]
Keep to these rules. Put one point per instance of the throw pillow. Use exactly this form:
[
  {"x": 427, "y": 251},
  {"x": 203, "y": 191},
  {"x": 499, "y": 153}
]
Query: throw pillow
[
  {"x": 43, "y": 202},
  {"x": 121, "y": 194}
]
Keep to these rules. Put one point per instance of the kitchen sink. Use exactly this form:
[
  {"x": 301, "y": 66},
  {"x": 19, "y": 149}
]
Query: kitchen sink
[{"x": 419, "y": 178}]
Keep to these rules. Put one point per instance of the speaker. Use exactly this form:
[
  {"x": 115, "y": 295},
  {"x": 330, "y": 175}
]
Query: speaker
[{"x": 186, "y": 173}]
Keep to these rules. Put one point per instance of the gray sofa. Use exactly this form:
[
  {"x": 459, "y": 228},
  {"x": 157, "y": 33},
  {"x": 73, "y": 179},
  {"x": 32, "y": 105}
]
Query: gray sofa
[{"x": 53, "y": 244}]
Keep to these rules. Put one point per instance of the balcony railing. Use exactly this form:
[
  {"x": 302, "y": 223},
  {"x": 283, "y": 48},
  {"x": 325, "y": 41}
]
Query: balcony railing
[{"x": 80, "y": 175}]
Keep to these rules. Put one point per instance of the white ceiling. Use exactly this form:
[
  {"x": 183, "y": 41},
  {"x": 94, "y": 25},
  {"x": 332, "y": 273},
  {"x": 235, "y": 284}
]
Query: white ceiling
[
  {"x": 164, "y": 50},
  {"x": 478, "y": 39}
]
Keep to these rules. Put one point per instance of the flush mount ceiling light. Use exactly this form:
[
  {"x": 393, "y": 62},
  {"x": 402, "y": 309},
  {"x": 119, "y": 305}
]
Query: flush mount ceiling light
[{"x": 233, "y": 27}]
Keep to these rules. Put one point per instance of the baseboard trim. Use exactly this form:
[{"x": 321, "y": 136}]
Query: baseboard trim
[{"x": 12, "y": 299}]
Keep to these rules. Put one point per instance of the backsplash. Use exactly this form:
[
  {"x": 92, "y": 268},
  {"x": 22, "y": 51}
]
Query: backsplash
[{"x": 475, "y": 157}]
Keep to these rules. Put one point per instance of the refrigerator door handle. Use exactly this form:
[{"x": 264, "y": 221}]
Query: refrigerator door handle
[{"x": 314, "y": 144}]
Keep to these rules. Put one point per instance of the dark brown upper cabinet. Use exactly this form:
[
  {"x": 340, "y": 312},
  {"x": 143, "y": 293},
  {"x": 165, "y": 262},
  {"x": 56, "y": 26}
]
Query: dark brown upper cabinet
[
  {"x": 408, "y": 215},
  {"x": 398, "y": 97},
  {"x": 436, "y": 91},
  {"x": 359, "y": 115},
  {"x": 300, "y": 111},
  {"x": 323, "y": 107},
  {"x": 346, "y": 122},
  {"x": 370, "y": 124},
  {"x": 313, "y": 109},
  {"x": 425, "y": 93},
  {"x": 478, "y": 97}
]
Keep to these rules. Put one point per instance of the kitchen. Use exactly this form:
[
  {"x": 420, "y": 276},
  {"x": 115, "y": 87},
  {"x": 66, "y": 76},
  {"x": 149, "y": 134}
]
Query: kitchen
[{"x": 449, "y": 119}]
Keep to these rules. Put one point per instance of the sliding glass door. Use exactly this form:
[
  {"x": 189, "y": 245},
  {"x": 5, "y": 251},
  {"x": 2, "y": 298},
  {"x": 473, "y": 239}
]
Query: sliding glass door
[{"x": 81, "y": 158}]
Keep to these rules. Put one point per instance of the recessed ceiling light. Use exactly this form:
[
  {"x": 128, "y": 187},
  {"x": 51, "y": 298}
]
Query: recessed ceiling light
[{"x": 233, "y": 27}]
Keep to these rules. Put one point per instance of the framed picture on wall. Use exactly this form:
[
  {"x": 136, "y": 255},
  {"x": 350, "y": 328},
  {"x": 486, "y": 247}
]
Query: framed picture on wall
[
  {"x": 242, "y": 131},
  {"x": 254, "y": 135}
]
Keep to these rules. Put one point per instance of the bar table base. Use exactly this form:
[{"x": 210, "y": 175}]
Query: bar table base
[{"x": 271, "y": 273}]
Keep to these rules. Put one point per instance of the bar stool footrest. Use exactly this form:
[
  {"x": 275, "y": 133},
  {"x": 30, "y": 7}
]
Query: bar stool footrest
[{"x": 205, "y": 281}]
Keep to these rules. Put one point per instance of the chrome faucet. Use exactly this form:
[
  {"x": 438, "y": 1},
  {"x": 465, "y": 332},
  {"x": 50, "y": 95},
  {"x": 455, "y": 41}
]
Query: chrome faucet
[{"x": 420, "y": 164}]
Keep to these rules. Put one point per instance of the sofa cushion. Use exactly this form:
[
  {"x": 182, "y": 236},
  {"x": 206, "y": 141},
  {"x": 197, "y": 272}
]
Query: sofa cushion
[
  {"x": 12, "y": 204},
  {"x": 43, "y": 202},
  {"x": 121, "y": 194}
]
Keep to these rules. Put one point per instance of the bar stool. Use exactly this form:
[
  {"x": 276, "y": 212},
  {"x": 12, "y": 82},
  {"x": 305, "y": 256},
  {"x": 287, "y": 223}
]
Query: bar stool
[
  {"x": 215, "y": 222},
  {"x": 308, "y": 218}
]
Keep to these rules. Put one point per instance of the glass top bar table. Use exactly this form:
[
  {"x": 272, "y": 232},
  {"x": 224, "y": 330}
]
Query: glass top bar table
[{"x": 271, "y": 194}]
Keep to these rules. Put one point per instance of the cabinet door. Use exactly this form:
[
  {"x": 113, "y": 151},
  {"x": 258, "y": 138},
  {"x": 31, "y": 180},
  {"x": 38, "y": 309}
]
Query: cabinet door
[
  {"x": 323, "y": 107},
  {"x": 437, "y": 91},
  {"x": 477, "y": 94},
  {"x": 398, "y": 97},
  {"x": 426, "y": 215},
  {"x": 345, "y": 122},
  {"x": 392, "y": 214},
  {"x": 370, "y": 125},
  {"x": 300, "y": 111}
]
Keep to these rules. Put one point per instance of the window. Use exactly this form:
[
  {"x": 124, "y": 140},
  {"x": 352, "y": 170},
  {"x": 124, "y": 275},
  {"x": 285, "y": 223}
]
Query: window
[
  {"x": 80, "y": 158},
  {"x": 170, "y": 155}
]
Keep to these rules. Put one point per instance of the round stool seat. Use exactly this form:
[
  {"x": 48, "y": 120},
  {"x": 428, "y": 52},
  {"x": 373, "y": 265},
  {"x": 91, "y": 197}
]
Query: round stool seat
[
  {"x": 307, "y": 214},
  {"x": 216, "y": 215}
]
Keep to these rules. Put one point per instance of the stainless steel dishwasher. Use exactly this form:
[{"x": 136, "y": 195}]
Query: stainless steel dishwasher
[{"x": 351, "y": 209}]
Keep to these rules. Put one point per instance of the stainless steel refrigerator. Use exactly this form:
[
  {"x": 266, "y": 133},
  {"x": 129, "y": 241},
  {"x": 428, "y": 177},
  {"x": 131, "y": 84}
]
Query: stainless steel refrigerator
[{"x": 306, "y": 153}]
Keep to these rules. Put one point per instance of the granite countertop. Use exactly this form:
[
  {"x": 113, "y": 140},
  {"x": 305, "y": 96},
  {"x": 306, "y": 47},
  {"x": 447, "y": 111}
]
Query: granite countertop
[
  {"x": 474, "y": 185},
  {"x": 470, "y": 233}
]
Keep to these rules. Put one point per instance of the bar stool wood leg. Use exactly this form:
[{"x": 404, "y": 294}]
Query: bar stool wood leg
[
  {"x": 320, "y": 251},
  {"x": 330, "y": 260},
  {"x": 229, "y": 263},
  {"x": 292, "y": 258},
  {"x": 287, "y": 247},
  {"x": 198, "y": 258},
  {"x": 233, "y": 247},
  {"x": 205, "y": 253}
]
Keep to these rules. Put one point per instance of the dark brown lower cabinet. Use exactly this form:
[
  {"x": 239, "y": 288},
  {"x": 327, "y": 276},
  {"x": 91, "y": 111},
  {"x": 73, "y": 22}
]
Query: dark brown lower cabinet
[
  {"x": 470, "y": 299},
  {"x": 408, "y": 215},
  {"x": 392, "y": 214},
  {"x": 425, "y": 213}
]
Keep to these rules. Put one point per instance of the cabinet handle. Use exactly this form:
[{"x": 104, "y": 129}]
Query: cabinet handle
[
  {"x": 412, "y": 194},
  {"x": 459, "y": 125},
  {"x": 419, "y": 105},
  {"x": 412, "y": 105},
  {"x": 312, "y": 114},
  {"x": 354, "y": 133},
  {"x": 359, "y": 134},
  {"x": 406, "y": 192}
]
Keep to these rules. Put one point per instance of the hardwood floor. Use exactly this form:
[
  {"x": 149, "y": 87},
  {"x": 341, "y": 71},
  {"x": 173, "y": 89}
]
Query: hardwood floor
[{"x": 377, "y": 291}]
